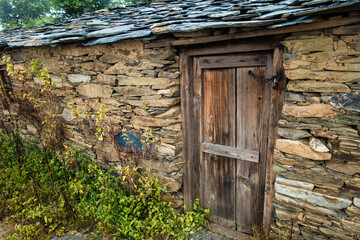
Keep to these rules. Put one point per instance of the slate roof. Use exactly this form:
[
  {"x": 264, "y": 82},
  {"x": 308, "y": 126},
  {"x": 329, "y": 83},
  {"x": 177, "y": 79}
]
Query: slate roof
[{"x": 164, "y": 16}]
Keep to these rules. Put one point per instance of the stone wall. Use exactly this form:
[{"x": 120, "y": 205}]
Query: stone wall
[
  {"x": 139, "y": 87},
  {"x": 317, "y": 153}
]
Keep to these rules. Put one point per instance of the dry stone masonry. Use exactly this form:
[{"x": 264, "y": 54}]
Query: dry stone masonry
[
  {"x": 318, "y": 150},
  {"x": 140, "y": 89},
  {"x": 124, "y": 59}
]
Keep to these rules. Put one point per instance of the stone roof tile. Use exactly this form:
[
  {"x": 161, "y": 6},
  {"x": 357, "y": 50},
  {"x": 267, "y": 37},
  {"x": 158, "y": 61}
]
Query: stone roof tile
[{"x": 174, "y": 16}]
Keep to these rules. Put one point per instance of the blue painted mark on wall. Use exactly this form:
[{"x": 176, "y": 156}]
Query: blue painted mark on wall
[{"x": 131, "y": 140}]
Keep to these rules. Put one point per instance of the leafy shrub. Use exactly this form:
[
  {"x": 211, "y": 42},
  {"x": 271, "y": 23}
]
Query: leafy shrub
[{"x": 47, "y": 193}]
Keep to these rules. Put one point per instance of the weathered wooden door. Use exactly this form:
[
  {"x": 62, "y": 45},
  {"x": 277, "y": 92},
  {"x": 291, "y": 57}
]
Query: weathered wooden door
[{"x": 226, "y": 104}]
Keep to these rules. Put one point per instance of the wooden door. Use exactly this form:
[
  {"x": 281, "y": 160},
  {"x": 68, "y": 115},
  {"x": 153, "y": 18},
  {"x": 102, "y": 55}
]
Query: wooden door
[{"x": 226, "y": 106}]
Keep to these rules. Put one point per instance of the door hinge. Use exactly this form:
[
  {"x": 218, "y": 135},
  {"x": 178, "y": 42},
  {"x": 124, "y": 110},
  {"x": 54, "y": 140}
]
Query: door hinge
[{"x": 274, "y": 79}]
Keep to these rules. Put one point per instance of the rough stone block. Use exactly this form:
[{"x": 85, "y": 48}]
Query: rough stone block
[
  {"x": 357, "y": 202},
  {"x": 95, "y": 91},
  {"x": 300, "y": 149},
  {"x": 313, "y": 110},
  {"x": 349, "y": 168},
  {"x": 135, "y": 91},
  {"x": 312, "y": 197},
  {"x": 310, "y": 44},
  {"x": 293, "y": 133},
  {"x": 158, "y": 165},
  {"x": 293, "y": 183},
  {"x": 348, "y": 101},
  {"x": 67, "y": 114},
  {"x": 166, "y": 102},
  {"x": 352, "y": 226},
  {"x": 76, "y": 79},
  {"x": 105, "y": 79},
  {"x": 331, "y": 76},
  {"x": 172, "y": 112},
  {"x": 317, "y": 145},
  {"x": 139, "y": 81},
  {"x": 112, "y": 58},
  {"x": 316, "y": 86},
  {"x": 151, "y": 122}
]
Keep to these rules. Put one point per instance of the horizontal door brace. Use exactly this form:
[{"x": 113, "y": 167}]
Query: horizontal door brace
[{"x": 232, "y": 152}]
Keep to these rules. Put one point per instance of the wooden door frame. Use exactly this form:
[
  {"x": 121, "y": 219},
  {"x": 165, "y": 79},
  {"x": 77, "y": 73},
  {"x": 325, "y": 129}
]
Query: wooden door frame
[{"x": 277, "y": 97}]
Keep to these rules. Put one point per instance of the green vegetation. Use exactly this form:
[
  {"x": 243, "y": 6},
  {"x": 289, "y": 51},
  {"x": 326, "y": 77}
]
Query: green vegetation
[
  {"x": 27, "y": 13},
  {"x": 45, "y": 193},
  {"x": 48, "y": 188},
  {"x": 22, "y": 13}
]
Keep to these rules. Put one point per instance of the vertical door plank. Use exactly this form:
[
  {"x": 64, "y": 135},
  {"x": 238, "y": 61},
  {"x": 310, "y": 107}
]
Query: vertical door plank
[
  {"x": 277, "y": 98},
  {"x": 190, "y": 108},
  {"x": 198, "y": 182},
  {"x": 218, "y": 126},
  {"x": 250, "y": 118}
]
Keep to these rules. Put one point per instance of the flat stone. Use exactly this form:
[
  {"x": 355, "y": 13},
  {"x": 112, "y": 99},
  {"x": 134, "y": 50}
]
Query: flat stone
[
  {"x": 349, "y": 168},
  {"x": 317, "y": 145},
  {"x": 353, "y": 211},
  {"x": 135, "y": 91},
  {"x": 313, "y": 110},
  {"x": 335, "y": 234},
  {"x": 324, "y": 134},
  {"x": 352, "y": 67},
  {"x": 346, "y": 131},
  {"x": 67, "y": 114},
  {"x": 311, "y": 44},
  {"x": 357, "y": 202},
  {"x": 95, "y": 66},
  {"x": 173, "y": 127},
  {"x": 330, "y": 76},
  {"x": 339, "y": 155},
  {"x": 172, "y": 112},
  {"x": 317, "y": 175},
  {"x": 152, "y": 122},
  {"x": 288, "y": 161},
  {"x": 141, "y": 81},
  {"x": 57, "y": 80},
  {"x": 196, "y": 26},
  {"x": 110, "y": 31},
  {"x": 105, "y": 79},
  {"x": 350, "y": 226},
  {"x": 297, "y": 125},
  {"x": 352, "y": 183},
  {"x": 294, "y": 97},
  {"x": 316, "y": 86},
  {"x": 95, "y": 90},
  {"x": 300, "y": 149},
  {"x": 166, "y": 149},
  {"x": 296, "y": 202},
  {"x": 293, "y": 133},
  {"x": 116, "y": 38},
  {"x": 166, "y": 102},
  {"x": 293, "y": 183},
  {"x": 141, "y": 112},
  {"x": 312, "y": 197},
  {"x": 76, "y": 79},
  {"x": 224, "y": 14},
  {"x": 348, "y": 101},
  {"x": 158, "y": 165},
  {"x": 111, "y": 58},
  {"x": 172, "y": 184}
]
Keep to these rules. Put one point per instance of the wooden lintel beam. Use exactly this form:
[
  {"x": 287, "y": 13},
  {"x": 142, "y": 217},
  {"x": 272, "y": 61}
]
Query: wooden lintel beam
[
  {"x": 232, "y": 152},
  {"x": 259, "y": 33}
]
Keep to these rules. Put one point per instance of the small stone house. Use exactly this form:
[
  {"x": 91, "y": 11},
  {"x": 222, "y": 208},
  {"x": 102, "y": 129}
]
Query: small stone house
[{"x": 255, "y": 104}]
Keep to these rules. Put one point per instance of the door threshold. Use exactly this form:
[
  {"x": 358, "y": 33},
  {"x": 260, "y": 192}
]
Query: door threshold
[{"x": 235, "y": 235}]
